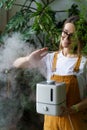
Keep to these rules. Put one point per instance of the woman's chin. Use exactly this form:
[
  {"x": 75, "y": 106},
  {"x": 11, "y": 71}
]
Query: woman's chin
[{"x": 66, "y": 44}]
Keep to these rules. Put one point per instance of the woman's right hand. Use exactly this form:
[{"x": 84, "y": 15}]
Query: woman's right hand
[
  {"x": 32, "y": 60},
  {"x": 38, "y": 54}
]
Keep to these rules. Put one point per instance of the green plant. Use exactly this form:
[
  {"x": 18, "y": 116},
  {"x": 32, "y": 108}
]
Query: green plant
[
  {"x": 73, "y": 10},
  {"x": 44, "y": 25},
  {"x": 82, "y": 33},
  {"x": 46, "y": 29}
]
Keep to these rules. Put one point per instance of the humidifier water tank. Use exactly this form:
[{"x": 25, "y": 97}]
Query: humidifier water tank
[{"x": 50, "y": 98}]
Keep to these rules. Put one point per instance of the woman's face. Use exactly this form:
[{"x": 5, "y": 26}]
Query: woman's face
[{"x": 67, "y": 34}]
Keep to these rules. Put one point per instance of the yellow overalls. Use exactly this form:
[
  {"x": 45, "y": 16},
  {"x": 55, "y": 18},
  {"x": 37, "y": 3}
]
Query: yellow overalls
[{"x": 77, "y": 121}]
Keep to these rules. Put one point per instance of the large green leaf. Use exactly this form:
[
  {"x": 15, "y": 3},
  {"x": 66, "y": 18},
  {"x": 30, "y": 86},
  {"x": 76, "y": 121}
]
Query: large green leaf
[
  {"x": 19, "y": 21},
  {"x": 16, "y": 22},
  {"x": 27, "y": 33}
]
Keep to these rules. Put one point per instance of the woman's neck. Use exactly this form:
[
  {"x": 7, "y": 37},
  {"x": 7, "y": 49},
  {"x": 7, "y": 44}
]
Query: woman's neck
[{"x": 66, "y": 53}]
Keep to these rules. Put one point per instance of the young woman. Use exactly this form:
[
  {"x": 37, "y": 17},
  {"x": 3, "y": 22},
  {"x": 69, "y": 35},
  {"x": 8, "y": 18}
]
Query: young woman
[{"x": 69, "y": 66}]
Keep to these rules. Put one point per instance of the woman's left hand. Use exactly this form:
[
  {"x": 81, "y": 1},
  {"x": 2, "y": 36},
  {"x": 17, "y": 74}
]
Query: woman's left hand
[{"x": 66, "y": 111}]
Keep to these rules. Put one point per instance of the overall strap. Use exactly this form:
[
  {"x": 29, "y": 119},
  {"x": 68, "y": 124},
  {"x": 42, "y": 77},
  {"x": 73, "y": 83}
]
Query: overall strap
[
  {"x": 76, "y": 68},
  {"x": 54, "y": 61}
]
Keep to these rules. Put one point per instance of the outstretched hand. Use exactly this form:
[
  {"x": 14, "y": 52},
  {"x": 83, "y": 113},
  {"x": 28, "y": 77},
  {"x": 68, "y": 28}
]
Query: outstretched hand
[
  {"x": 32, "y": 60},
  {"x": 38, "y": 54}
]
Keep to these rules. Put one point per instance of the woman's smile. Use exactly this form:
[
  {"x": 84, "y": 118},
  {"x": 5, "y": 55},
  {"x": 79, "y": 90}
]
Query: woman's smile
[{"x": 67, "y": 34}]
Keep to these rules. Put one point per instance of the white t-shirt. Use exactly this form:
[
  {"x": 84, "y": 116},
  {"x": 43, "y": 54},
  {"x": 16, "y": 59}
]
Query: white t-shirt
[{"x": 65, "y": 66}]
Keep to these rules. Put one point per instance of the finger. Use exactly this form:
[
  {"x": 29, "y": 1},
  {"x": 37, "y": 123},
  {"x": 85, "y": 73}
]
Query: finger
[
  {"x": 43, "y": 52},
  {"x": 40, "y": 51},
  {"x": 44, "y": 49}
]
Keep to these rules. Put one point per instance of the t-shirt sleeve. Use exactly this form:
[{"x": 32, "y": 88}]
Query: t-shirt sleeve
[{"x": 45, "y": 65}]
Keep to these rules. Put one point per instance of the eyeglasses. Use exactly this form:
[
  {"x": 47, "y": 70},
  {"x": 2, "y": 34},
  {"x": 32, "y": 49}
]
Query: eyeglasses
[{"x": 66, "y": 34}]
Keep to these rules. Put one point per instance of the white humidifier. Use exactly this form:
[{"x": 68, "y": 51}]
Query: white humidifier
[{"x": 50, "y": 97}]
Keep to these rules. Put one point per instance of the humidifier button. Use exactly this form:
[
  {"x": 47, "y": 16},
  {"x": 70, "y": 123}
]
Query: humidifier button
[
  {"x": 45, "y": 108},
  {"x": 50, "y": 82}
]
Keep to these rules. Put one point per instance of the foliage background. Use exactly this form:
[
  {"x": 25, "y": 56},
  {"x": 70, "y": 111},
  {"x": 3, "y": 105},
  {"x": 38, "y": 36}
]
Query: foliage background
[{"x": 38, "y": 23}]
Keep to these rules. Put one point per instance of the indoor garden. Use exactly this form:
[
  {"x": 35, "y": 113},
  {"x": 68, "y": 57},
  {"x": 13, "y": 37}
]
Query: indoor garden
[{"x": 34, "y": 26}]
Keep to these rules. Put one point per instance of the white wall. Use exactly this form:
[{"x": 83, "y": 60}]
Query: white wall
[{"x": 61, "y": 5}]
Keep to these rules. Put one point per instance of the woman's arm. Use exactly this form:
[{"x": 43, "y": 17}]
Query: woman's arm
[
  {"x": 82, "y": 105},
  {"x": 32, "y": 60}
]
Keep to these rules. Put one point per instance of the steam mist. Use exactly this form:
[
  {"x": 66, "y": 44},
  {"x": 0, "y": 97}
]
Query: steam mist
[
  {"x": 13, "y": 48},
  {"x": 10, "y": 95}
]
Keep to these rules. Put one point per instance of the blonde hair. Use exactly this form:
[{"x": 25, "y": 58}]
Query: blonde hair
[{"x": 76, "y": 46}]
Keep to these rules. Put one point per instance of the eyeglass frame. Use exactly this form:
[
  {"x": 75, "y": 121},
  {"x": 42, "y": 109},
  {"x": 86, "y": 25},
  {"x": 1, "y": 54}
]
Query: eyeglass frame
[{"x": 67, "y": 34}]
